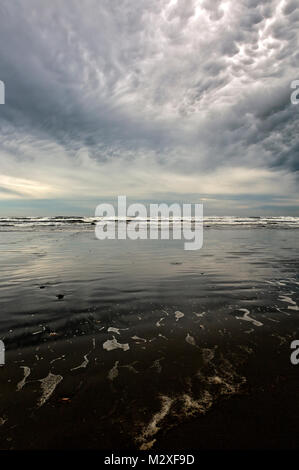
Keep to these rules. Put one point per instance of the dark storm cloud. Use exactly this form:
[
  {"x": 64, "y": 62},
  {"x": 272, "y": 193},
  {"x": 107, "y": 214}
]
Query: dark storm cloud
[{"x": 190, "y": 86}]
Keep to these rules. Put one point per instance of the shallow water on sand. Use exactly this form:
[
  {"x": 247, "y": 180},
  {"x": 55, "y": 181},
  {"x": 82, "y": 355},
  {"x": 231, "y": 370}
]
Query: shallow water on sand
[{"x": 115, "y": 343}]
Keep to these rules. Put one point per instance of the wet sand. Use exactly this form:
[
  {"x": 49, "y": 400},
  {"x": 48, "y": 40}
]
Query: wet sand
[{"x": 149, "y": 346}]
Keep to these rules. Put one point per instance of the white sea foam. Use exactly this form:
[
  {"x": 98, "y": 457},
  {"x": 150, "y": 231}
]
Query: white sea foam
[
  {"x": 287, "y": 299},
  {"x": 246, "y": 317},
  {"x": 113, "y": 373},
  {"x": 111, "y": 344},
  {"x": 83, "y": 365},
  {"x": 57, "y": 359},
  {"x": 15, "y": 223},
  {"x": 215, "y": 377},
  {"x": 146, "y": 438},
  {"x": 48, "y": 385},
  {"x": 178, "y": 315},
  {"x": 22, "y": 382},
  {"x": 190, "y": 340},
  {"x": 158, "y": 324},
  {"x": 138, "y": 339},
  {"x": 111, "y": 329},
  {"x": 199, "y": 314},
  {"x": 293, "y": 307},
  {"x": 162, "y": 336}
]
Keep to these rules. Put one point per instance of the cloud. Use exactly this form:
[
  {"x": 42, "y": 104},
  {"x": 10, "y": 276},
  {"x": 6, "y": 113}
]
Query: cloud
[{"x": 161, "y": 97}]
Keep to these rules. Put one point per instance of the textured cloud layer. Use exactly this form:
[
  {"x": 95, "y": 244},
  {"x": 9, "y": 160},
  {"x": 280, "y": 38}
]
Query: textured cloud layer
[{"x": 173, "y": 99}]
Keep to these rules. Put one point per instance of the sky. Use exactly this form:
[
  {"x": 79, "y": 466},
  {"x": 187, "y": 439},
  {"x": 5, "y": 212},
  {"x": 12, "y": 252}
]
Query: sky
[{"x": 158, "y": 100}]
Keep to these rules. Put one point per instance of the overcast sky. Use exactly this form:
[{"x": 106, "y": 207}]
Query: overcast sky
[{"x": 161, "y": 100}]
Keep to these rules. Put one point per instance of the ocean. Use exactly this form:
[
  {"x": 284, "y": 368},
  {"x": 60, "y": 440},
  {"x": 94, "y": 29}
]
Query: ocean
[{"x": 143, "y": 345}]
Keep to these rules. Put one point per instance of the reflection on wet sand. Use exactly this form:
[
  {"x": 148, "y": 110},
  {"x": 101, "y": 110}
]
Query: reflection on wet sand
[{"x": 140, "y": 344}]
